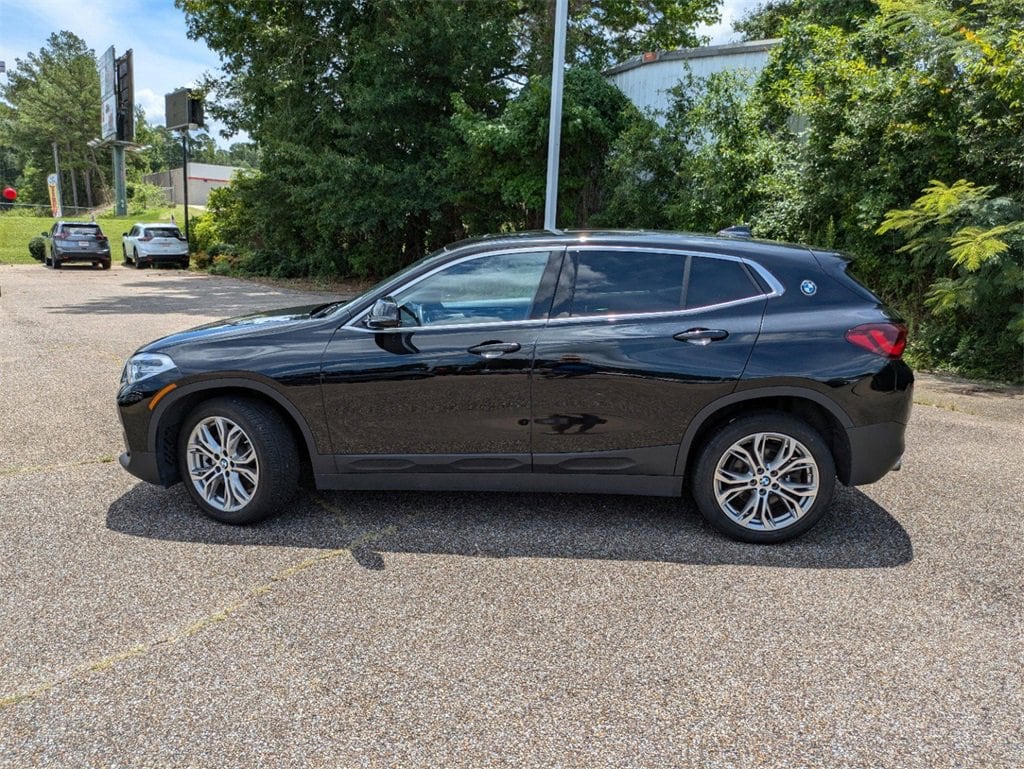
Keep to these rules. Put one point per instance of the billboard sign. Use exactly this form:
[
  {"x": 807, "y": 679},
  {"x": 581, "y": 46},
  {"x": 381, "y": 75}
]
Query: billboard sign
[
  {"x": 108, "y": 118},
  {"x": 125, "y": 98},
  {"x": 108, "y": 95}
]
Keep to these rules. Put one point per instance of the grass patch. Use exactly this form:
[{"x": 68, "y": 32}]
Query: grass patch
[{"x": 17, "y": 229}]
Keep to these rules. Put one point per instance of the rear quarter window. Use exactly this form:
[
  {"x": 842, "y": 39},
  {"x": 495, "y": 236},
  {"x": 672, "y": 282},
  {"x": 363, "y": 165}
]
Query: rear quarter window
[{"x": 717, "y": 281}]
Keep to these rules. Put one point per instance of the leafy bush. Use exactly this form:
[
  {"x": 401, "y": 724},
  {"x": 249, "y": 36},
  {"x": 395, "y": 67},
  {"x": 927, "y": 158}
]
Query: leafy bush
[
  {"x": 224, "y": 264},
  {"x": 146, "y": 196},
  {"x": 204, "y": 232},
  {"x": 222, "y": 249},
  {"x": 201, "y": 260},
  {"x": 37, "y": 247},
  {"x": 972, "y": 244}
]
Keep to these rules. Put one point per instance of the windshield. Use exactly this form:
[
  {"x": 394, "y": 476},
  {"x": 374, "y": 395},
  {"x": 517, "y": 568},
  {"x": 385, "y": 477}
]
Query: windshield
[
  {"x": 163, "y": 232},
  {"x": 82, "y": 230},
  {"x": 381, "y": 288}
]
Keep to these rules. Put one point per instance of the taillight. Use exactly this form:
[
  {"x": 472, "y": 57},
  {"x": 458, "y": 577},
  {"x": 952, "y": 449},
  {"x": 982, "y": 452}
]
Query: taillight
[
  {"x": 101, "y": 238},
  {"x": 885, "y": 339}
]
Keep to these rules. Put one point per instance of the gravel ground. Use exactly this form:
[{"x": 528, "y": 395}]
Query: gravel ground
[{"x": 428, "y": 630}]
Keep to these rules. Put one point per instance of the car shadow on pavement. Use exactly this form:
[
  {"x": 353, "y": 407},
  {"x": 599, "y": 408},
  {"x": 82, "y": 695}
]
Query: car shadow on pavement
[
  {"x": 180, "y": 296},
  {"x": 855, "y": 534}
]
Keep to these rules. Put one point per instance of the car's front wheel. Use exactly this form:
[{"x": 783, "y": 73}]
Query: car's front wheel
[
  {"x": 238, "y": 459},
  {"x": 764, "y": 478}
]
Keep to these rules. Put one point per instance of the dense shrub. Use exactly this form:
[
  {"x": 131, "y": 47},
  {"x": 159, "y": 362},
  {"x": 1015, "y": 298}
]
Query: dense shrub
[{"x": 37, "y": 247}]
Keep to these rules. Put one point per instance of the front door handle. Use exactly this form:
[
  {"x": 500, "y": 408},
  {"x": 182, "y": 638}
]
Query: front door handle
[
  {"x": 494, "y": 349},
  {"x": 701, "y": 336}
]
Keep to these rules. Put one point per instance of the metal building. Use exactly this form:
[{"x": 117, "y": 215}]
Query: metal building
[
  {"x": 202, "y": 177},
  {"x": 647, "y": 79}
]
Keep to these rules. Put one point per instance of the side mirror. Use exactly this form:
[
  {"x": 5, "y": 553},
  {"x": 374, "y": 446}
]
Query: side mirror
[
  {"x": 384, "y": 314},
  {"x": 124, "y": 233}
]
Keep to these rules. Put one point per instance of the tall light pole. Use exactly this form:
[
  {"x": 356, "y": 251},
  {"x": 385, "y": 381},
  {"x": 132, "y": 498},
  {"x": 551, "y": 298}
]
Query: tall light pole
[
  {"x": 555, "y": 129},
  {"x": 184, "y": 184}
]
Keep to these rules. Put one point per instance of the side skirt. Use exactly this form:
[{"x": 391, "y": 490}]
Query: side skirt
[{"x": 642, "y": 485}]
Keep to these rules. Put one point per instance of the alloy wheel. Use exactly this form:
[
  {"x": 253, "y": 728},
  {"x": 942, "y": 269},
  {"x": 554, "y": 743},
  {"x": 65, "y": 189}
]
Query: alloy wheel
[
  {"x": 766, "y": 481},
  {"x": 222, "y": 463}
]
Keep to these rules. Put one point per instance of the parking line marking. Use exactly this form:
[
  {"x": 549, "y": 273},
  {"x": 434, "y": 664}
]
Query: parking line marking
[{"x": 103, "y": 664}]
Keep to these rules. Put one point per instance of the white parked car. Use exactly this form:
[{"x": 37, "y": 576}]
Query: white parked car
[{"x": 155, "y": 243}]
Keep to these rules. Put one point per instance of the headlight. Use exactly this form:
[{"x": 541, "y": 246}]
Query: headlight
[{"x": 144, "y": 365}]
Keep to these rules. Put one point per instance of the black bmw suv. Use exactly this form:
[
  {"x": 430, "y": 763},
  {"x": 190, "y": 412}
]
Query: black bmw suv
[{"x": 752, "y": 373}]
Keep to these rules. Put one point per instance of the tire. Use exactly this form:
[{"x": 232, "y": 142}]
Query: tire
[
  {"x": 135, "y": 259},
  {"x": 55, "y": 262},
  {"x": 124, "y": 255},
  {"x": 105, "y": 265},
  {"x": 773, "y": 505},
  {"x": 262, "y": 470}
]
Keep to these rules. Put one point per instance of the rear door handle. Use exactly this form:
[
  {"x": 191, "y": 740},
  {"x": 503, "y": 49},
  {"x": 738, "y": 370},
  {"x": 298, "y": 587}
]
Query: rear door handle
[
  {"x": 494, "y": 349},
  {"x": 701, "y": 336}
]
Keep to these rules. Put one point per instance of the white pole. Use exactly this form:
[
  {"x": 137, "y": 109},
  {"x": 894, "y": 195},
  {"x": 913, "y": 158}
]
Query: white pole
[{"x": 555, "y": 130}]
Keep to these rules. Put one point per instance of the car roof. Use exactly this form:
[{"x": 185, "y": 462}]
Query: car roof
[
  {"x": 155, "y": 224},
  {"x": 62, "y": 222},
  {"x": 740, "y": 246}
]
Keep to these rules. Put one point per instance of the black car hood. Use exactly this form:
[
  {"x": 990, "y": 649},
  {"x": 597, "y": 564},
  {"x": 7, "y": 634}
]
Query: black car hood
[{"x": 242, "y": 326}]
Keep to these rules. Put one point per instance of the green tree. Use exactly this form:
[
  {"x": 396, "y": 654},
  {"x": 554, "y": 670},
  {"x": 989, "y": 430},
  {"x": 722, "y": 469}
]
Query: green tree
[
  {"x": 506, "y": 156},
  {"x": 352, "y": 109},
  {"x": 53, "y": 97},
  {"x": 767, "y": 19},
  {"x": 974, "y": 245},
  {"x": 353, "y": 106},
  {"x": 242, "y": 154}
]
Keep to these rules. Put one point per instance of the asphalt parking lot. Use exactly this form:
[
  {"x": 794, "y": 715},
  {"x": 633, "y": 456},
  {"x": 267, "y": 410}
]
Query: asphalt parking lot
[{"x": 446, "y": 630}]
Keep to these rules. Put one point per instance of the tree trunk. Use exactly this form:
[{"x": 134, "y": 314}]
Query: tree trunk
[
  {"x": 88, "y": 187},
  {"x": 102, "y": 191},
  {"x": 74, "y": 181}
]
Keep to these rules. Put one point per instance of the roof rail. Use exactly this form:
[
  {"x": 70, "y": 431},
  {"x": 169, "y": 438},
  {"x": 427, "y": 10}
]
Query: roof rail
[{"x": 737, "y": 231}]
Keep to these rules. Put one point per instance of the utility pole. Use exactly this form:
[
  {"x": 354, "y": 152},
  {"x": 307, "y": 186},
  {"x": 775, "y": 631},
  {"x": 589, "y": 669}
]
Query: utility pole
[
  {"x": 120, "y": 183},
  {"x": 555, "y": 129},
  {"x": 184, "y": 183}
]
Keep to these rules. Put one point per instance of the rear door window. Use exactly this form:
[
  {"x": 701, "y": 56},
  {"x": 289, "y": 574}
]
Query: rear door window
[{"x": 627, "y": 283}]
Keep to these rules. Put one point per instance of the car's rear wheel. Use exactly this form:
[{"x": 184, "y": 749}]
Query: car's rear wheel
[
  {"x": 135, "y": 259},
  {"x": 764, "y": 478},
  {"x": 55, "y": 262},
  {"x": 239, "y": 460}
]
